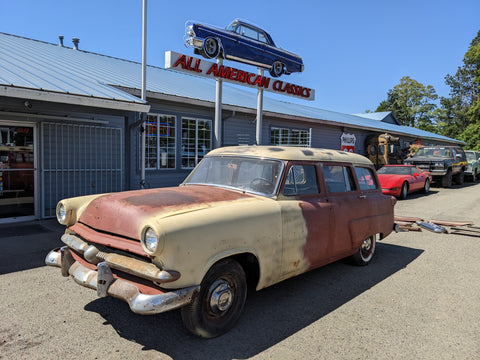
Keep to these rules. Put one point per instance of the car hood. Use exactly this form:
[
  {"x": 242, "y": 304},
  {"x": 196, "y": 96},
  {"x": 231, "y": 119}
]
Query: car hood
[
  {"x": 427, "y": 158},
  {"x": 390, "y": 180},
  {"x": 124, "y": 213}
]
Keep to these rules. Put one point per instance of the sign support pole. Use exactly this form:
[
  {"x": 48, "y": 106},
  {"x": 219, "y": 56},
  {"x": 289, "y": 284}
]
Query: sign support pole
[
  {"x": 218, "y": 109},
  {"x": 144, "y": 93},
  {"x": 259, "y": 112}
]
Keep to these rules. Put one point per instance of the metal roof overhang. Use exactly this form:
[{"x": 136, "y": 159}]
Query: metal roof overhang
[{"x": 71, "y": 99}]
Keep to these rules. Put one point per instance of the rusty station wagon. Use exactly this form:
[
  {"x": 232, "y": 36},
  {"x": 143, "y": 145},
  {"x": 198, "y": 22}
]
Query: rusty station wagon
[{"x": 246, "y": 216}]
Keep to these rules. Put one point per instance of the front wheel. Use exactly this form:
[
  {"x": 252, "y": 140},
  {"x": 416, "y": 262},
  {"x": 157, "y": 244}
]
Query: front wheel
[
  {"x": 447, "y": 179},
  {"x": 211, "y": 48},
  {"x": 426, "y": 187},
  {"x": 220, "y": 301},
  {"x": 460, "y": 178},
  {"x": 365, "y": 254},
  {"x": 404, "y": 191}
]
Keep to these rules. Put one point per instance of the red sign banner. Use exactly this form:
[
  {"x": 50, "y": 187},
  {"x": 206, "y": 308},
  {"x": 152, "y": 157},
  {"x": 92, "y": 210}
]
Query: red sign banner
[{"x": 209, "y": 69}]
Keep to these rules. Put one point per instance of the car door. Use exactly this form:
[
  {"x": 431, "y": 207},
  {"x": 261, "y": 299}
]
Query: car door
[
  {"x": 250, "y": 48},
  {"x": 417, "y": 180},
  {"x": 306, "y": 220},
  {"x": 373, "y": 213},
  {"x": 347, "y": 202}
]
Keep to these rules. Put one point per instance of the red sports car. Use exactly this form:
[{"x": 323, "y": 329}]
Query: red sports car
[{"x": 400, "y": 180}]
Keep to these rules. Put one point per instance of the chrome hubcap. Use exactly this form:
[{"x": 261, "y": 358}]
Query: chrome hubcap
[
  {"x": 366, "y": 246},
  {"x": 221, "y": 297}
]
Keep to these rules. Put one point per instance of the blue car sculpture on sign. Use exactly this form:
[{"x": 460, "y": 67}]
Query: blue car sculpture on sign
[{"x": 242, "y": 42}]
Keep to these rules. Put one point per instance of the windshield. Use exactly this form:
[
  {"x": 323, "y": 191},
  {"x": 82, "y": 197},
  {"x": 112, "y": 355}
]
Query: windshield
[
  {"x": 395, "y": 170},
  {"x": 470, "y": 156},
  {"x": 260, "y": 176},
  {"x": 438, "y": 152}
]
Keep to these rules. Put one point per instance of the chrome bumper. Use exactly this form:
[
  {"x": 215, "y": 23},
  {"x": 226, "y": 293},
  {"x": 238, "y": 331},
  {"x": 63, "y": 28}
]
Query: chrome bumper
[
  {"x": 103, "y": 281},
  {"x": 194, "y": 42}
]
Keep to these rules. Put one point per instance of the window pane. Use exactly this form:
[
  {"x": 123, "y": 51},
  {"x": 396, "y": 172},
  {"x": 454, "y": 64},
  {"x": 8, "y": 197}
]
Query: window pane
[
  {"x": 275, "y": 136},
  {"x": 284, "y": 136},
  {"x": 160, "y": 142},
  {"x": 301, "y": 180},
  {"x": 365, "y": 178},
  {"x": 196, "y": 141},
  {"x": 151, "y": 134},
  {"x": 166, "y": 134},
  {"x": 336, "y": 178}
]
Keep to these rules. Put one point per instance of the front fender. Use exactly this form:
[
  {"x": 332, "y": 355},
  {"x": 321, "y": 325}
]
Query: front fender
[{"x": 195, "y": 241}]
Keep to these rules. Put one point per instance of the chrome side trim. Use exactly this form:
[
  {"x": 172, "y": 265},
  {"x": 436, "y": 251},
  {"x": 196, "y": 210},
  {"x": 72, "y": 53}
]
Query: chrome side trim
[{"x": 139, "y": 303}]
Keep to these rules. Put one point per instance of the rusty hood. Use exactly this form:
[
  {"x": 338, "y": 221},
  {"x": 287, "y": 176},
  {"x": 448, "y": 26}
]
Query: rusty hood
[{"x": 124, "y": 213}]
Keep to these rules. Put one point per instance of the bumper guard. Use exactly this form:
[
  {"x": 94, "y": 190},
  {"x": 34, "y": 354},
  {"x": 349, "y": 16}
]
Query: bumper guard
[{"x": 105, "y": 284}]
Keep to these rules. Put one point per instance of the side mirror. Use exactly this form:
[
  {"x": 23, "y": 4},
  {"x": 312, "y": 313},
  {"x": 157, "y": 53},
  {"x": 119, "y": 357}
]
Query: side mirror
[{"x": 416, "y": 174}]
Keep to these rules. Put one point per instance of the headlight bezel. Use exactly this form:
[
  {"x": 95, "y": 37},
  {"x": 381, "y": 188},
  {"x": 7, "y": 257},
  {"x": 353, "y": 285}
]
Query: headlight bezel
[
  {"x": 61, "y": 213},
  {"x": 149, "y": 237}
]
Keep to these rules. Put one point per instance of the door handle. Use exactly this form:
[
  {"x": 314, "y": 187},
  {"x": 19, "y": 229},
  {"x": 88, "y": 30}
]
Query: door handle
[{"x": 363, "y": 197}]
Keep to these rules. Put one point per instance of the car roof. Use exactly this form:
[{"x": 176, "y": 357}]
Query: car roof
[{"x": 288, "y": 153}]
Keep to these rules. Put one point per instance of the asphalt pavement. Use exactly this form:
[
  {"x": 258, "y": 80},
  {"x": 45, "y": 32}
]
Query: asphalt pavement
[{"x": 418, "y": 299}]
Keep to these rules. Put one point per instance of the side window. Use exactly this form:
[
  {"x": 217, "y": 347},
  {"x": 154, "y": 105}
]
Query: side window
[
  {"x": 366, "y": 178},
  {"x": 338, "y": 178},
  {"x": 301, "y": 180}
]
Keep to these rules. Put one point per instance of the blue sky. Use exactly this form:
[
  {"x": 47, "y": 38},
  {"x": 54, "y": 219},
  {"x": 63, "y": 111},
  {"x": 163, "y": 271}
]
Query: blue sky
[{"x": 353, "y": 51}]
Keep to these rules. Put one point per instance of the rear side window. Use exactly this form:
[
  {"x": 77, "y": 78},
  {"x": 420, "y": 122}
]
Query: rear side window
[
  {"x": 301, "y": 180},
  {"x": 366, "y": 178},
  {"x": 338, "y": 178}
]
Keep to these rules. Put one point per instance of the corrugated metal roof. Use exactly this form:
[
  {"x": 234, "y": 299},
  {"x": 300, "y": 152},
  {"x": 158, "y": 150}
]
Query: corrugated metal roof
[
  {"x": 380, "y": 115},
  {"x": 37, "y": 65}
]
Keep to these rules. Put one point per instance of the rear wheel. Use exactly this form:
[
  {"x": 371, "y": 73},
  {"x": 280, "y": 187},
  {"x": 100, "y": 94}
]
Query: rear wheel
[
  {"x": 220, "y": 301},
  {"x": 366, "y": 251},
  {"x": 277, "y": 69}
]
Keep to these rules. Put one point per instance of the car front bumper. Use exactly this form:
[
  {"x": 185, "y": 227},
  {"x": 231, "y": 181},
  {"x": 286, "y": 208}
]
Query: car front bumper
[
  {"x": 195, "y": 42},
  {"x": 392, "y": 192},
  {"x": 438, "y": 172},
  {"x": 103, "y": 281}
]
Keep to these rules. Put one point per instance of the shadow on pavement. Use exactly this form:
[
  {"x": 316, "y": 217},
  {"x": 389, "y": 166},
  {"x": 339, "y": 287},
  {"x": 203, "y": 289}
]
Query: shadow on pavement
[
  {"x": 24, "y": 246},
  {"x": 270, "y": 315}
]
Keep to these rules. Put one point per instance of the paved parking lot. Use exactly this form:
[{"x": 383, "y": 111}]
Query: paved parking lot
[{"x": 418, "y": 299}]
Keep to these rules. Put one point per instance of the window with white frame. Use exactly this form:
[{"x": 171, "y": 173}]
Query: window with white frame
[
  {"x": 196, "y": 141},
  {"x": 286, "y": 136},
  {"x": 160, "y": 142}
]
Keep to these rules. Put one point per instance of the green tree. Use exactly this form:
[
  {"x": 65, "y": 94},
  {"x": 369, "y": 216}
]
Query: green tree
[
  {"x": 412, "y": 103},
  {"x": 459, "y": 114}
]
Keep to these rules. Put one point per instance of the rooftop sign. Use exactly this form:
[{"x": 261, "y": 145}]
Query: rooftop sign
[{"x": 200, "y": 67}]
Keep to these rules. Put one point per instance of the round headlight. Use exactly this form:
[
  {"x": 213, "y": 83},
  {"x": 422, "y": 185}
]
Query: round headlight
[
  {"x": 150, "y": 240},
  {"x": 61, "y": 214}
]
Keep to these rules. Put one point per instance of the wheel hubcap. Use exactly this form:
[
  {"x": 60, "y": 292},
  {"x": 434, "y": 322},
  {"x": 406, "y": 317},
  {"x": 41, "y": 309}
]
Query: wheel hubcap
[
  {"x": 210, "y": 46},
  {"x": 221, "y": 297},
  {"x": 366, "y": 246}
]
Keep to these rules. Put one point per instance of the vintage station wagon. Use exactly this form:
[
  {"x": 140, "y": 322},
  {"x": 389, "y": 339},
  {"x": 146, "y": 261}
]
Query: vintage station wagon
[{"x": 246, "y": 216}]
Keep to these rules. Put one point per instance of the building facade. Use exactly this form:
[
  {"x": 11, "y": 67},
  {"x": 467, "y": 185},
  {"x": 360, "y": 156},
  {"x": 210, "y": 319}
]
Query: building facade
[{"x": 70, "y": 125}]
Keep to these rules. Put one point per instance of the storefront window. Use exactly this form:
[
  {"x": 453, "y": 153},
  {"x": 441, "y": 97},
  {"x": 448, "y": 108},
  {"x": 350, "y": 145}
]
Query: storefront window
[
  {"x": 160, "y": 142},
  {"x": 285, "y": 136},
  {"x": 196, "y": 141}
]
